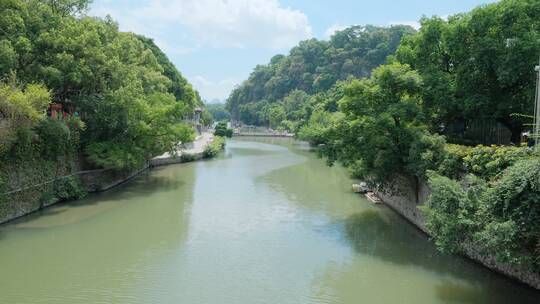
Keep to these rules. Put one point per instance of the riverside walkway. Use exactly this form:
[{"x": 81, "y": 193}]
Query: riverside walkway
[{"x": 191, "y": 151}]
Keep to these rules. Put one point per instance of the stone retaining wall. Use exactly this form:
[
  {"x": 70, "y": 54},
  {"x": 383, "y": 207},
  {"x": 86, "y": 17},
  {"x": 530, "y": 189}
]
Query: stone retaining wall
[
  {"x": 403, "y": 199},
  {"x": 29, "y": 199}
]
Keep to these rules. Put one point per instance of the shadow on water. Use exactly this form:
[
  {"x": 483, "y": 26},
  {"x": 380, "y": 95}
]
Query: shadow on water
[
  {"x": 390, "y": 238},
  {"x": 369, "y": 233},
  {"x": 381, "y": 233},
  {"x": 458, "y": 293}
]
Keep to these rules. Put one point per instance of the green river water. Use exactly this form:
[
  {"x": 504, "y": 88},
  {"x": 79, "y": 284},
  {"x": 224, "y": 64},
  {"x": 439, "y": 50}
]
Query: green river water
[{"x": 267, "y": 222}]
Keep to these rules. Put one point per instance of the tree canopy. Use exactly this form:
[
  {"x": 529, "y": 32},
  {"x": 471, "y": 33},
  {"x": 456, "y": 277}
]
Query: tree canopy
[
  {"x": 479, "y": 64},
  {"x": 123, "y": 87},
  {"x": 312, "y": 67}
]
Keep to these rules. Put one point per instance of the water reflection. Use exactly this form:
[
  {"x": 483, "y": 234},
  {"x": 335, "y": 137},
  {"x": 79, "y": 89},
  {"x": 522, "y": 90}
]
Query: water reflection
[{"x": 100, "y": 249}]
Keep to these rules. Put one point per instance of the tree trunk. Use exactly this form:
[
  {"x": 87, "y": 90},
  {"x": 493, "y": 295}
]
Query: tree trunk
[{"x": 516, "y": 128}]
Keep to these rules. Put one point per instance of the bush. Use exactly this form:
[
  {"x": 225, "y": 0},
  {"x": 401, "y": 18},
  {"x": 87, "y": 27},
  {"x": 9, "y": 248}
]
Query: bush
[
  {"x": 318, "y": 127},
  {"x": 453, "y": 166},
  {"x": 222, "y": 130},
  {"x": 69, "y": 188},
  {"x": 515, "y": 200},
  {"x": 425, "y": 154},
  {"x": 55, "y": 138},
  {"x": 502, "y": 215},
  {"x": 214, "y": 147},
  {"x": 451, "y": 212},
  {"x": 489, "y": 161},
  {"x": 484, "y": 161}
]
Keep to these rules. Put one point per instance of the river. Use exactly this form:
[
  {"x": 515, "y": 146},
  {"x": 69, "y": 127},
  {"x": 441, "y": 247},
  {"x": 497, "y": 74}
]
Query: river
[{"x": 266, "y": 222}]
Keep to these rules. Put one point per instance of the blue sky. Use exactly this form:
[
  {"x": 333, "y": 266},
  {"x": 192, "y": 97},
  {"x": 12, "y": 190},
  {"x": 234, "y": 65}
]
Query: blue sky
[{"x": 216, "y": 43}]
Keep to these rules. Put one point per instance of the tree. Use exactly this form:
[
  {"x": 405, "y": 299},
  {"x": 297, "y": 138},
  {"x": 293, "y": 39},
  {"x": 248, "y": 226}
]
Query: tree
[
  {"x": 497, "y": 51},
  {"x": 222, "y": 130},
  {"x": 428, "y": 53},
  {"x": 20, "y": 108},
  {"x": 69, "y": 7},
  {"x": 121, "y": 85},
  {"x": 180, "y": 88},
  {"x": 383, "y": 119},
  {"x": 478, "y": 65},
  {"x": 313, "y": 67},
  {"x": 218, "y": 111},
  {"x": 276, "y": 115}
]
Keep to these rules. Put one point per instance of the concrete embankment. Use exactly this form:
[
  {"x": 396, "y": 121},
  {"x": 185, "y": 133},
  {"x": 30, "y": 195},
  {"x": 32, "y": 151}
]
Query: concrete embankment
[
  {"x": 31, "y": 198},
  {"x": 191, "y": 152},
  {"x": 405, "y": 200}
]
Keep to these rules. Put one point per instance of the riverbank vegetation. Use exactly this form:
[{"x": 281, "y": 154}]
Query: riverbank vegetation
[
  {"x": 77, "y": 93},
  {"x": 223, "y": 130},
  {"x": 216, "y": 146},
  {"x": 459, "y": 80}
]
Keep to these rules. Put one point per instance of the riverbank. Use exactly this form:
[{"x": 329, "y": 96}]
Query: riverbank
[
  {"x": 29, "y": 199},
  {"x": 403, "y": 200},
  {"x": 190, "y": 152}
]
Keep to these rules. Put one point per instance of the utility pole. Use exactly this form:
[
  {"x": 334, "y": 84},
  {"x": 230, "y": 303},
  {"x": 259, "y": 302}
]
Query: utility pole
[{"x": 536, "y": 130}]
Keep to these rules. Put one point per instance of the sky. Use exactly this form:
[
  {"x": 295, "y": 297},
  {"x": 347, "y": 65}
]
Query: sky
[{"x": 217, "y": 43}]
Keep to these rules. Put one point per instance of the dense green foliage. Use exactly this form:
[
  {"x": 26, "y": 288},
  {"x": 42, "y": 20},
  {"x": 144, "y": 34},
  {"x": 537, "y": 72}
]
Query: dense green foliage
[
  {"x": 222, "y": 130},
  {"x": 218, "y": 112},
  {"x": 216, "y": 146},
  {"x": 501, "y": 214},
  {"x": 34, "y": 149},
  {"x": 123, "y": 87},
  {"x": 478, "y": 65},
  {"x": 277, "y": 94}
]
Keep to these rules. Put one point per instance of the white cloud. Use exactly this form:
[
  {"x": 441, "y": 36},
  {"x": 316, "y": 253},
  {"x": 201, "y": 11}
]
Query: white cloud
[
  {"x": 212, "y": 90},
  {"x": 333, "y": 29},
  {"x": 413, "y": 24},
  {"x": 217, "y": 23}
]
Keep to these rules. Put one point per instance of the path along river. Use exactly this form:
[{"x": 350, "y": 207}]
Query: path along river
[{"x": 267, "y": 222}]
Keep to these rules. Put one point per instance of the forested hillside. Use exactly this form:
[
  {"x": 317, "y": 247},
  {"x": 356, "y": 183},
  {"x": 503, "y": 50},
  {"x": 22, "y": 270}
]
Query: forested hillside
[{"x": 277, "y": 94}]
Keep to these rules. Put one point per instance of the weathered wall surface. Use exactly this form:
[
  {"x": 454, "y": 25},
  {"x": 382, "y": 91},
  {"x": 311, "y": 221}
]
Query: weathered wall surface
[
  {"x": 33, "y": 198},
  {"x": 103, "y": 180},
  {"x": 403, "y": 199}
]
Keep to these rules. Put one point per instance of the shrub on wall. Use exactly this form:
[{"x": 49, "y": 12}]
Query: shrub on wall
[
  {"x": 451, "y": 211},
  {"x": 512, "y": 204},
  {"x": 69, "y": 188},
  {"x": 502, "y": 215}
]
